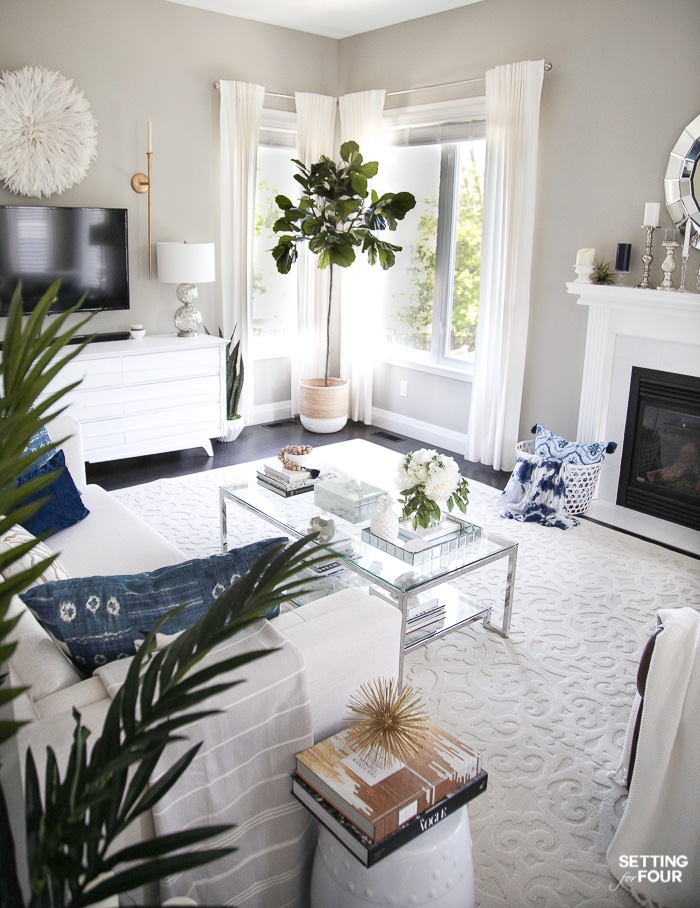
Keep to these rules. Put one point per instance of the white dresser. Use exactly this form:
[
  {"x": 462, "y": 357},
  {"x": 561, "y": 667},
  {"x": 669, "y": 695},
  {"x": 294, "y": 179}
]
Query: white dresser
[{"x": 161, "y": 393}]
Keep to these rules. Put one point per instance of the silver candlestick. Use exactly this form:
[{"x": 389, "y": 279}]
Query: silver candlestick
[
  {"x": 647, "y": 258},
  {"x": 671, "y": 241},
  {"x": 684, "y": 271}
]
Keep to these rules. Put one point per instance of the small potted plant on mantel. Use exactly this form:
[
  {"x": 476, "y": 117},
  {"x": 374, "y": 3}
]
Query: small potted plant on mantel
[{"x": 336, "y": 215}]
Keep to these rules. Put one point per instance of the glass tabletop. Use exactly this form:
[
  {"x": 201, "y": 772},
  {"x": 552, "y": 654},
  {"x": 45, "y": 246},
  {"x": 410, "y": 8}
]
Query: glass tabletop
[{"x": 355, "y": 545}]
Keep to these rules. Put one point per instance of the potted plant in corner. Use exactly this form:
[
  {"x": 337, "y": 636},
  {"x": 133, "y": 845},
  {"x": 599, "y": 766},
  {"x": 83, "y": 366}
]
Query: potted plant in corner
[
  {"x": 235, "y": 374},
  {"x": 336, "y": 215}
]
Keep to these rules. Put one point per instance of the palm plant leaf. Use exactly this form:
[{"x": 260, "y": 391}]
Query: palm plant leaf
[
  {"x": 111, "y": 786},
  {"x": 31, "y": 360},
  {"x": 104, "y": 787}
]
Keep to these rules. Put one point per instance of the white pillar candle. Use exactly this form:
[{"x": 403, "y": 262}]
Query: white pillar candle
[
  {"x": 149, "y": 144},
  {"x": 686, "y": 239},
  {"x": 585, "y": 256},
  {"x": 651, "y": 214}
]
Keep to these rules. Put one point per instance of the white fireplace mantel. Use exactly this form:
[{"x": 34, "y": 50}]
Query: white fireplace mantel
[{"x": 627, "y": 327}]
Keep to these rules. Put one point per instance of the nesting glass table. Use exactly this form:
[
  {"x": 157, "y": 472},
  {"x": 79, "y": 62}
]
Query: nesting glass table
[{"x": 420, "y": 579}]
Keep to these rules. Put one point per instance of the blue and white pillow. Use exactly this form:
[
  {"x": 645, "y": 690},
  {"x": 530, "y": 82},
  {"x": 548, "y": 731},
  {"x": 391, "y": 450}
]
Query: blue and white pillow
[
  {"x": 99, "y": 619},
  {"x": 39, "y": 440},
  {"x": 553, "y": 447}
]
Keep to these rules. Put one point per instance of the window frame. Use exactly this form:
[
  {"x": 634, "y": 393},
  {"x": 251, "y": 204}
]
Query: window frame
[
  {"x": 278, "y": 129},
  {"x": 446, "y": 124}
]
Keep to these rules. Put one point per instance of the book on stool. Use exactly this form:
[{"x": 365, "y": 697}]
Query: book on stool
[{"x": 374, "y": 810}]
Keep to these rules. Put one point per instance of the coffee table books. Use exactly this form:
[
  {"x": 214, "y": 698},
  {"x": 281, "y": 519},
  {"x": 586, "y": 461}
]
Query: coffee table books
[
  {"x": 284, "y": 489},
  {"x": 363, "y": 848},
  {"x": 285, "y": 482},
  {"x": 378, "y": 800}
]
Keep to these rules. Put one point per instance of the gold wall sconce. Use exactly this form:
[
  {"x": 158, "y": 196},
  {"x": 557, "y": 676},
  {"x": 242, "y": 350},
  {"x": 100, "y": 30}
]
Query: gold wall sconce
[{"x": 142, "y": 182}]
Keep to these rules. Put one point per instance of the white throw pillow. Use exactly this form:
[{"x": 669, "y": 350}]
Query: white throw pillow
[{"x": 17, "y": 535}]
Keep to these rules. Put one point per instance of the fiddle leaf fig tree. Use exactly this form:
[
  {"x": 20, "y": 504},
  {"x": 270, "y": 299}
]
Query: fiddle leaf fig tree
[{"x": 337, "y": 215}]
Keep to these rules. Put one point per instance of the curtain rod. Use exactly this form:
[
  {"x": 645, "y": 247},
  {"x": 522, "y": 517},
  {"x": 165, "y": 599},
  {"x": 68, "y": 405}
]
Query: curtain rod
[
  {"x": 408, "y": 91},
  {"x": 404, "y": 91}
]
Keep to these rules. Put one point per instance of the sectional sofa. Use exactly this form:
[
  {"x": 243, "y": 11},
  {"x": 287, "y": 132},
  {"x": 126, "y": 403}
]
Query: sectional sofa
[{"x": 337, "y": 643}]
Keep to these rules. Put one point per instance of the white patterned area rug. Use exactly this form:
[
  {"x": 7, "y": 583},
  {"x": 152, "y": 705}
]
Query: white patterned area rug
[{"x": 547, "y": 707}]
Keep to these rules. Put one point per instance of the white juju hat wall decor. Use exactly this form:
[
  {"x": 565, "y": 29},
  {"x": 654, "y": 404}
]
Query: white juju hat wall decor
[{"x": 48, "y": 135}]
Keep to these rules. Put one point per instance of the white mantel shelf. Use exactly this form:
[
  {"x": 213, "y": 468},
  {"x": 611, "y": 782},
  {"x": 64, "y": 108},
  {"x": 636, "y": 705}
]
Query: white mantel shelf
[
  {"x": 662, "y": 316},
  {"x": 613, "y": 297}
]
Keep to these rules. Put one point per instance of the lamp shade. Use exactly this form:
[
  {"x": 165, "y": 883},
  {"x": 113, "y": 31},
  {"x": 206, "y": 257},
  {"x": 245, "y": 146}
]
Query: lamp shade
[{"x": 186, "y": 263}]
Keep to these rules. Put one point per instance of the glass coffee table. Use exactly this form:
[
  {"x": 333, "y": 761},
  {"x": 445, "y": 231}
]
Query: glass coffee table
[{"x": 425, "y": 585}]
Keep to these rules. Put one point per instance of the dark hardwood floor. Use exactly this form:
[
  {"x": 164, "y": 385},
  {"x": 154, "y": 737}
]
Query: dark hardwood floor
[{"x": 260, "y": 441}]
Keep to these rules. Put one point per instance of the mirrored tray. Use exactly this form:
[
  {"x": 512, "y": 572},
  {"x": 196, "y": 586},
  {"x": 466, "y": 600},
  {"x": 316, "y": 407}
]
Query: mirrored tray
[{"x": 453, "y": 533}]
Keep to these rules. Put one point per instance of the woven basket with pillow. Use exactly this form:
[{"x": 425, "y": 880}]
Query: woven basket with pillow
[{"x": 582, "y": 463}]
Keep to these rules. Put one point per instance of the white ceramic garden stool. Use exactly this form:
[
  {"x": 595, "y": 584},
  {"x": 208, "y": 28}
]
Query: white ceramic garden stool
[{"x": 434, "y": 869}]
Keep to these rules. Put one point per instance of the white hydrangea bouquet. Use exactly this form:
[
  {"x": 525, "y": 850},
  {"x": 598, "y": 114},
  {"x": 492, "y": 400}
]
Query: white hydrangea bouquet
[{"x": 426, "y": 478}]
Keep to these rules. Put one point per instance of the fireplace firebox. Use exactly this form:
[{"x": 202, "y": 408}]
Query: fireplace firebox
[{"x": 660, "y": 463}]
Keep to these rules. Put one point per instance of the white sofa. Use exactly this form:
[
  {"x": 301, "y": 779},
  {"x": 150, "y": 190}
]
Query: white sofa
[{"x": 344, "y": 639}]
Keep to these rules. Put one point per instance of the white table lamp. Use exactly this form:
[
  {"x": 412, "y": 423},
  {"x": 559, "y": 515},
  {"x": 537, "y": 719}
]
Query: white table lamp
[{"x": 186, "y": 264}]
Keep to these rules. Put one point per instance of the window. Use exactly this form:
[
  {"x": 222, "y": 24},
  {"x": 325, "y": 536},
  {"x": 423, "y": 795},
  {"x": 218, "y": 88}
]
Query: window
[
  {"x": 274, "y": 295},
  {"x": 430, "y": 298}
]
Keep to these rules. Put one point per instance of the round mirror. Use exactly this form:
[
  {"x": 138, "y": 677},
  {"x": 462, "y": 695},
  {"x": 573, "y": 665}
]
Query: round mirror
[{"x": 682, "y": 181}]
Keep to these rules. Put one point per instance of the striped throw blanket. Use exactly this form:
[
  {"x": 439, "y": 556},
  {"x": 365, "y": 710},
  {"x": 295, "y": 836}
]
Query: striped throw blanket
[{"x": 241, "y": 775}]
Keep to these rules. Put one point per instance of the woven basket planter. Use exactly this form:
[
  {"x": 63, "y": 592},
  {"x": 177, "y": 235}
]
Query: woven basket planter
[
  {"x": 580, "y": 481},
  {"x": 324, "y": 408}
]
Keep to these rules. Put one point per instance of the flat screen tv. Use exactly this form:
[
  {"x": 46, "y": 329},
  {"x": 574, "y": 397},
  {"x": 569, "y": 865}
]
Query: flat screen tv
[{"x": 87, "y": 248}]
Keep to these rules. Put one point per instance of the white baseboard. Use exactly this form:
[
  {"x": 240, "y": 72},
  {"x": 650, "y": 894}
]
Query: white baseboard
[
  {"x": 432, "y": 435},
  {"x": 281, "y": 409},
  {"x": 436, "y": 436}
]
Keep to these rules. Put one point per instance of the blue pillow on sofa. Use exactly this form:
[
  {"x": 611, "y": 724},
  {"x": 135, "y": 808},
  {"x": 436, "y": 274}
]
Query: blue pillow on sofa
[
  {"x": 98, "y": 619},
  {"x": 63, "y": 505}
]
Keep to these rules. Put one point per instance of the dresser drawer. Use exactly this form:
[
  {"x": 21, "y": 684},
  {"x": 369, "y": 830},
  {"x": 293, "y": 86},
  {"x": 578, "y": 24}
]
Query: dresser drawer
[
  {"x": 102, "y": 436},
  {"x": 105, "y": 403},
  {"x": 170, "y": 366},
  {"x": 201, "y": 420},
  {"x": 183, "y": 394},
  {"x": 91, "y": 373}
]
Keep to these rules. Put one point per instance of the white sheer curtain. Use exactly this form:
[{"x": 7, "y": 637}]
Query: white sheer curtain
[
  {"x": 239, "y": 126},
  {"x": 316, "y": 116},
  {"x": 512, "y": 122},
  {"x": 360, "y": 121}
]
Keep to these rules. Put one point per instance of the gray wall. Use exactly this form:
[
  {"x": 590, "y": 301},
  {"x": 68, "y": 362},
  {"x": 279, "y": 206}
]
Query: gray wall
[
  {"x": 141, "y": 59},
  {"x": 624, "y": 84}
]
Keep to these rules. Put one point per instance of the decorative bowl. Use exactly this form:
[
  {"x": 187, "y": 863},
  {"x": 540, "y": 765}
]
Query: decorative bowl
[{"x": 301, "y": 459}]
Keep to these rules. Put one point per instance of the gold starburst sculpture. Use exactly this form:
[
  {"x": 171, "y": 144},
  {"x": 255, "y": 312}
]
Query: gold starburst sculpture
[{"x": 388, "y": 722}]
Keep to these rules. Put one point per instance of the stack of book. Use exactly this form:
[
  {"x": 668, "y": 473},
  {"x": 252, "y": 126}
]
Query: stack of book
[
  {"x": 342, "y": 544},
  {"x": 422, "y": 611},
  {"x": 277, "y": 478},
  {"x": 374, "y": 810}
]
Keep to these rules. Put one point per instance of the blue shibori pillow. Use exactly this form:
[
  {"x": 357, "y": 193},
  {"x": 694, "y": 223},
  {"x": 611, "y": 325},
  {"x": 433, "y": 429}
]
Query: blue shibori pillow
[
  {"x": 99, "y": 619},
  {"x": 39, "y": 440},
  {"x": 554, "y": 447}
]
